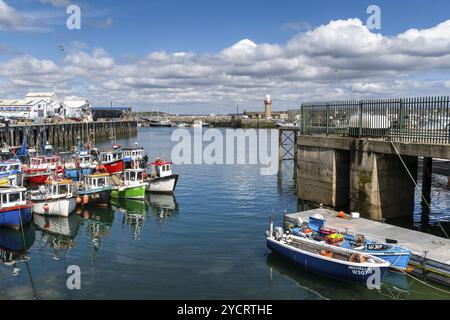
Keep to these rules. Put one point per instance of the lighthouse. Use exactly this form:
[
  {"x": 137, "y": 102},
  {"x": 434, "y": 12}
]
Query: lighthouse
[{"x": 268, "y": 110}]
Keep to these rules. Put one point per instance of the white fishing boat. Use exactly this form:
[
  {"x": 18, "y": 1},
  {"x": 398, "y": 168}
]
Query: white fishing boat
[
  {"x": 162, "y": 179},
  {"x": 54, "y": 198}
]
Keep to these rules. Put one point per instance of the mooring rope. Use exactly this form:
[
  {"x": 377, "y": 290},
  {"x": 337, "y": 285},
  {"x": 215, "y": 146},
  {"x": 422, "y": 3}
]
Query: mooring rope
[
  {"x": 417, "y": 186},
  {"x": 422, "y": 282}
]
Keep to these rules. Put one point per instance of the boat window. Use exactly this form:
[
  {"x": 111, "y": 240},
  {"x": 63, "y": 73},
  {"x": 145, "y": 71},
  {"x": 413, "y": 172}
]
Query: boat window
[
  {"x": 101, "y": 182},
  {"x": 55, "y": 190},
  {"x": 139, "y": 176},
  {"x": 63, "y": 189},
  {"x": 4, "y": 198},
  {"x": 14, "y": 197}
]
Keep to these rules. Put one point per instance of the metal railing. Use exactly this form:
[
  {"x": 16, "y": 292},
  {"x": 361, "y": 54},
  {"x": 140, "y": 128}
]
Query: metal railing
[{"x": 425, "y": 120}]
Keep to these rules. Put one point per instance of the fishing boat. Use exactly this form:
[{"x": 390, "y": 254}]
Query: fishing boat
[
  {"x": 10, "y": 173},
  {"x": 41, "y": 168},
  {"x": 15, "y": 210},
  {"x": 134, "y": 157},
  {"x": 315, "y": 229},
  {"x": 325, "y": 259},
  {"x": 54, "y": 198},
  {"x": 162, "y": 180},
  {"x": 132, "y": 186},
  {"x": 113, "y": 160},
  {"x": 82, "y": 164},
  {"x": 96, "y": 190}
]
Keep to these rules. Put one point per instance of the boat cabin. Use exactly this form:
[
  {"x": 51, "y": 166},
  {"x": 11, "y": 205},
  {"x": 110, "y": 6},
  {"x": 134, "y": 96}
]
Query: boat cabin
[
  {"x": 11, "y": 197},
  {"x": 86, "y": 161},
  {"x": 134, "y": 153},
  {"x": 107, "y": 157},
  {"x": 161, "y": 168},
  {"x": 97, "y": 181},
  {"x": 58, "y": 188},
  {"x": 133, "y": 176},
  {"x": 11, "y": 166}
]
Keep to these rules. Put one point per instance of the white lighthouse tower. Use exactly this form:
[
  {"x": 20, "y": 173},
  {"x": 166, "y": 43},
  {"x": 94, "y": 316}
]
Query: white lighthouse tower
[{"x": 268, "y": 109}]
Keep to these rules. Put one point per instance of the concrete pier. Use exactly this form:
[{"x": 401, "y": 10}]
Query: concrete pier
[
  {"x": 63, "y": 136},
  {"x": 367, "y": 176}
]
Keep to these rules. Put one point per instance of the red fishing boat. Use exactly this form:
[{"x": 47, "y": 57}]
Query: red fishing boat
[
  {"x": 41, "y": 168},
  {"x": 113, "y": 160}
]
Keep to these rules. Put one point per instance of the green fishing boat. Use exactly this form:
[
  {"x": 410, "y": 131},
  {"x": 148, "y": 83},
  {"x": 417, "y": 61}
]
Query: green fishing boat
[{"x": 132, "y": 186}]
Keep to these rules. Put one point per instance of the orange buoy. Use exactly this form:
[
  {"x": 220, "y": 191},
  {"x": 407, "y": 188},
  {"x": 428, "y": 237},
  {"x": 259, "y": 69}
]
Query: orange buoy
[
  {"x": 85, "y": 199},
  {"x": 341, "y": 214},
  {"x": 78, "y": 200}
]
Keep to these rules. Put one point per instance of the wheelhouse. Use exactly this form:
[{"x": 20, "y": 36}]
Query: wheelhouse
[
  {"x": 59, "y": 189},
  {"x": 134, "y": 154},
  {"x": 10, "y": 166},
  {"x": 161, "y": 168},
  {"x": 133, "y": 176},
  {"x": 11, "y": 197},
  {"x": 97, "y": 181},
  {"x": 107, "y": 157}
]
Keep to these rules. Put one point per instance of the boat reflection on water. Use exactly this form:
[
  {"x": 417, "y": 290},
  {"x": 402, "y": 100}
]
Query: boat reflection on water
[
  {"x": 98, "y": 222},
  {"x": 163, "y": 206},
  {"x": 14, "y": 246},
  {"x": 58, "y": 233},
  {"x": 134, "y": 213},
  {"x": 395, "y": 285}
]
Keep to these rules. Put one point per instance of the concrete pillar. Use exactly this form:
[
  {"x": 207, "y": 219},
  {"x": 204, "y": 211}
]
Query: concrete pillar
[
  {"x": 426, "y": 183},
  {"x": 323, "y": 176},
  {"x": 380, "y": 187}
]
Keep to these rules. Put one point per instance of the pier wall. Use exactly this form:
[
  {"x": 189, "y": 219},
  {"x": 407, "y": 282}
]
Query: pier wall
[
  {"x": 366, "y": 176},
  {"x": 63, "y": 136}
]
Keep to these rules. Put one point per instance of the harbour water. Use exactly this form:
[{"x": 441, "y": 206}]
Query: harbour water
[{"x": 206, "y": 242}]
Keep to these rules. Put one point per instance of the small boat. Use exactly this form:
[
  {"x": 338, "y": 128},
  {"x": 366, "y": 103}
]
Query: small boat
[
  {"x": 134, "y": 157},
  {"x": 54, "y": 198},
  {"x": 15, "y": 210},
  {"x": 396, "y": 255},
  {"x": 162, "y": 180},
  {"x": 96, "y": 190},
  {"x": 113, "y": 160},
  {"x": 10, "y": 172},
  {"x": 197, "y": 124},
  {"x": 41, "y": 168},
  {"x": 325, "y": 259},
  {"x": 132, "y": 186}
]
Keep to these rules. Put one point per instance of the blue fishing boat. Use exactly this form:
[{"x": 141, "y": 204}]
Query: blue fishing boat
[
  {"x": 328, "y": 260},
  {"x": 396, "y": 255},
  {"x": 15, "y": 210},
  {"x": 10, "y": 170}
]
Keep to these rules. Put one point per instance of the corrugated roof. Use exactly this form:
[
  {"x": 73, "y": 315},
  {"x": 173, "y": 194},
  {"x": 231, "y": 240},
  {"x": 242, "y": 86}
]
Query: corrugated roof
[{"x": 19, "y": 103}]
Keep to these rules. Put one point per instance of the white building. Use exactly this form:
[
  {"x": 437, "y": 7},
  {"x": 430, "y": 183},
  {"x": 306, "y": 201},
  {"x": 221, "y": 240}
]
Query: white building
[
  {"x": 40, "y": 105},
  {"x": 23, "y": 109},
  {"x": 78, "y": 109}
]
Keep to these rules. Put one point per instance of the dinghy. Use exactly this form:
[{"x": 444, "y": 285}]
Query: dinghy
[
  {"x": 325, "y": 259},
  {"x": 315, "y": 229}
]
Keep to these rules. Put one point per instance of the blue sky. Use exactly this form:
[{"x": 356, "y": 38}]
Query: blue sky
[{"x": 126, "y": 33}]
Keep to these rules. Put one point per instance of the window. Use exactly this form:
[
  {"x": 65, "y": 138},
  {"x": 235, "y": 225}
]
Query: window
[
  {"x": 4, "y": 198},
  {"x": 14, "y": 197}
]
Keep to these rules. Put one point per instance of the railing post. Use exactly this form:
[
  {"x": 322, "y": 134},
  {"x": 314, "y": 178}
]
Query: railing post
[
  {"x": 302, "y": 120},
  {"x": 401, "y": 119},
  {"x": 327, "y": 114},
  {"x": 360, "y": 118}
]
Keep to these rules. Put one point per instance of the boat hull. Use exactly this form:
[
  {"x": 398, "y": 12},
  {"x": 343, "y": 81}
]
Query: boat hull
[
  {"x": 15, "y": 217},
  {"x": 129, "y": 192},
  {"x": 96, "y": 197},
  {"x": 114, "y": 167},
  {"x": 397, "y": 260},
  {"x": 57, "y": 207},
  {"x": 331, "y": 269},
  {"x": 38, "y": 179},
  {"x": 162, "y": 185}
]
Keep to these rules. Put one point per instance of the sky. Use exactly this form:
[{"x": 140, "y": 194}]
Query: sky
[{"x": 211, "y": 56}]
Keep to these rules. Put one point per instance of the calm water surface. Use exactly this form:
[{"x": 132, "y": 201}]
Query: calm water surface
[{"x": 206, "y": 242}]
